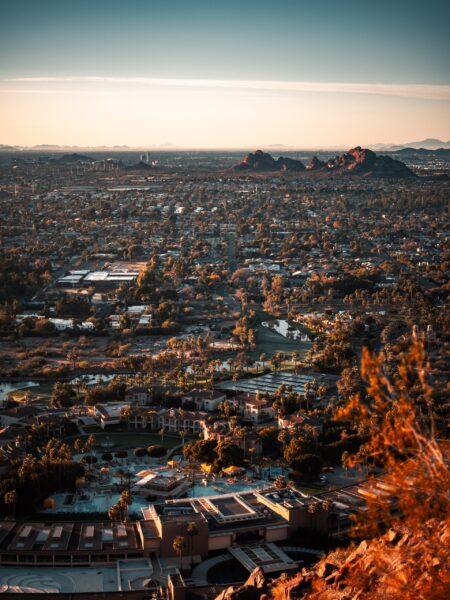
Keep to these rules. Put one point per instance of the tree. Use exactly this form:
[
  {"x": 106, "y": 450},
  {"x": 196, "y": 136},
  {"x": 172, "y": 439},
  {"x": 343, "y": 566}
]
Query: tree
[
  {"x": 269, "y": 438},
  {"x": 178, "y": 546},
  {"x": 10, "y": 499},
  {"x": 140, "y": 452},
  {"x": 201, "y": 450},
  {"x": 114, "y": 512},
  {"x": 276, "y": 361},
  {"x": 283, "y": 438},
  {"x": 280, "y": 482},
  {"x": 294, "y": 450},
  {"x": 192, "y": 531},
  {"x": 229, "y": 455},
  {"x": 63, "y": 395},
  {"x": 126, "y": 501},
  {"x": 156, "y": 451},
  {"x": 400, "y": 422},
  {"x": 183, "y": 434},
  {"x": 121, "y": 454},
  {"x": 346, "y": 460},
  {"x": 161, "y": 433},
  {"x": 308, "y": 465}
]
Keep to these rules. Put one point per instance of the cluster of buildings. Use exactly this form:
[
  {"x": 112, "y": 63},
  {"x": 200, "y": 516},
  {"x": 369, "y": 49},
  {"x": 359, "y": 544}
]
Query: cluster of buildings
[{"x": 218, "y": 523}]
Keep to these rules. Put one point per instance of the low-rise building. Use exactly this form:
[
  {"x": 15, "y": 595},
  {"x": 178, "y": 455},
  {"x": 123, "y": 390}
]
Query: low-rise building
[
  {"x": 254, "y": 408},
  {"x": 207, "y": 400}
]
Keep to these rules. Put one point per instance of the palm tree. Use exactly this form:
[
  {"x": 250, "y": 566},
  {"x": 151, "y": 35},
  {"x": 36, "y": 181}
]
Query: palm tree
[
  {"x": 126, "y": 500},
  {"x": 241, "y": 435},
  {"x": 10, "y": 499},
  {"x": 345, "y": 459},
  {"x": 183, "y": 434},
  {"x": 283, "y": 438},
  {"x": 192, "y": 531},
  {"x": 322, "y": 390},
  {"x": 89, "y": 444},
  {"x": 161, "y": 432},
  {"x": 280, "y": 482},
  {"x": 114, "y": 512},
  {"x": 314, "y": 507},
  {"x": 262, "y": 359},
  {"x": 125, "y": 414},
  {"x": 327, "y": 504},
  {"x": 178, "y": 546},
  {"x": 307, "y": 388}
]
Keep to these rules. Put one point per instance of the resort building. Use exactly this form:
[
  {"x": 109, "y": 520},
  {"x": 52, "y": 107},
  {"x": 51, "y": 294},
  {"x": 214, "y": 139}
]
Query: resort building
[
  {"x": 138, "y": 395},
  {"x": 109, "y": 414},
  {"x": 67, "y": 544},
  {"x": 255, "y": 409},
  {"x": 175, "y": 420},
  {"x": 207, "y": 400},
  {"x": 161, "y": 486}
]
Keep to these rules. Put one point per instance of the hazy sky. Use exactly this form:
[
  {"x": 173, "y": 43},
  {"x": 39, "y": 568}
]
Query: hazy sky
[{"x": 224, "y": 74}]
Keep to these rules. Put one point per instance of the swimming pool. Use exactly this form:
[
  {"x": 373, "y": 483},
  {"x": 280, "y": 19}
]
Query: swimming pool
[
  {"x": 98, "y": 503},
  {"x": 223, "y": 487}
]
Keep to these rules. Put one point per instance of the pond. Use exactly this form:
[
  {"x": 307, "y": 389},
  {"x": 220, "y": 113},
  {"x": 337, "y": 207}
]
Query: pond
[
  {"x": 287, "y": 330},
  {"x": 89, "y": 379},
  {"x": 7, "y": 388}
]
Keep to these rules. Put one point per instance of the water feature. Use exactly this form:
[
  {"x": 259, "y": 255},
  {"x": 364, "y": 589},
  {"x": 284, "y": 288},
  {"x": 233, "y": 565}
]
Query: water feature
[
  {"x": 96, "y": 503},
  {"x": 88, "y": 379},
  {"x": 287, "y": 330},
  {"x": 6, "y": 388}
]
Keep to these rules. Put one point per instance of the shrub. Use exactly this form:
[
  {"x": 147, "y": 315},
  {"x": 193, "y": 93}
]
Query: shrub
[{"x": 156, "y": 451}]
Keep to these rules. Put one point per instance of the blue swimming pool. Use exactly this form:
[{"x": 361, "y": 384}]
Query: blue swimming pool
[{"x": 100, "y": 503}]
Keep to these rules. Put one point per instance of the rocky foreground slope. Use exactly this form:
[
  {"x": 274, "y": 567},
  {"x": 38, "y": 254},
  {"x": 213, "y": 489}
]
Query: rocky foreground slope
[{"x": 395, "y": 566}]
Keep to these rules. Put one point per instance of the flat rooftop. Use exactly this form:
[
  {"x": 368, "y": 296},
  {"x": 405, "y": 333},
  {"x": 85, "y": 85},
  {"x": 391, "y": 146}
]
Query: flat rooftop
[
  {"x": 288, "y": 497},
  {"x": 267, "y": 556}
]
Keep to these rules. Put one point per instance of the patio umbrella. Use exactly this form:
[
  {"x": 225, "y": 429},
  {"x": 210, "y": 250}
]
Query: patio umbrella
[
  {"x": 232, "y": 470},
  {"x": 144, "y": 473}
]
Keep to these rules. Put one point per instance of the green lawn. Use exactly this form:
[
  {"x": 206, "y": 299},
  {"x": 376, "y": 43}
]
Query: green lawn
[
  {"x": 270, "y": 341},
  {"x": 130, "y": 439}
]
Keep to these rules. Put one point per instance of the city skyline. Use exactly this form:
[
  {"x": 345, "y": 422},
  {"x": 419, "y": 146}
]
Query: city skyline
[{"x": 223, "y": 76}]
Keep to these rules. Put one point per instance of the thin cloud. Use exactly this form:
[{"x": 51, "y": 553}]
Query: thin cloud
[{"x": 424, "y": 91}]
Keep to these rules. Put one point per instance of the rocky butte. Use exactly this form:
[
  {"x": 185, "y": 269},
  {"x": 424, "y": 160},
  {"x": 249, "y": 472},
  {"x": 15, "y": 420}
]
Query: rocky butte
[
  {"x": 264, "y": 162},
  {"x": 357, "y": 161}
]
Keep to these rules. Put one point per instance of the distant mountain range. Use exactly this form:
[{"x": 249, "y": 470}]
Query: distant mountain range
[
  {"x": 427, "y": 144},
  {"x": 357, "y": 161},
  {"x": 57, "y": 148}
]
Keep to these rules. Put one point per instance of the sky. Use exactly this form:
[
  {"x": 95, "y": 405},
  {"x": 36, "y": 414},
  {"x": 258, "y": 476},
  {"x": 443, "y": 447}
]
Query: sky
[{"x": 213, "y": 74}]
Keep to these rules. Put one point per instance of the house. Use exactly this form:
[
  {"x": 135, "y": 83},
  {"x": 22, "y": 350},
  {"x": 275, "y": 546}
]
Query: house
[
  {"x": 140, "y": 417},
  {"x": 254, "y": 408},
  {"x": 174, "y": 420},
  {"x": 138, "y": 395},
  {"x": 298, "y": 421},
  {"x": 109, "y": 414},
  {"x": 18, "y": 414},
  {"x": 207, "y": 400}
]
